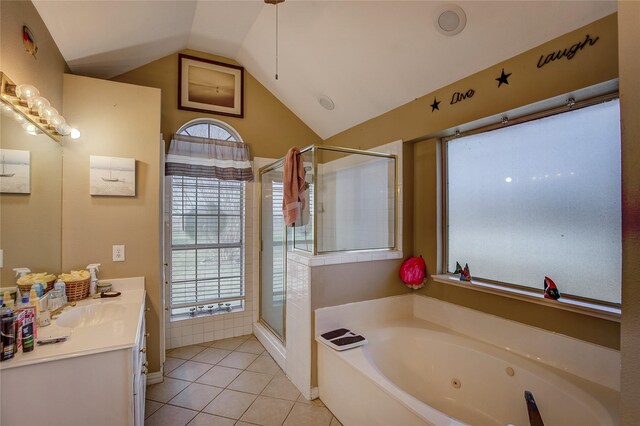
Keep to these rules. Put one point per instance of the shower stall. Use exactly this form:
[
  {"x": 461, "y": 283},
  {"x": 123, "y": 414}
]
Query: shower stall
[{"x": 351, "y": 206}]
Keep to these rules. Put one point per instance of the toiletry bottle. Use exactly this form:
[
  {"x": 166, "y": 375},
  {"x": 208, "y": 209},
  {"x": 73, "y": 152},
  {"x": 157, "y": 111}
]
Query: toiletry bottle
[
  {"x": 7, "y": 300},
  {"x": 27, "y": 330},
  {"x": 93, "y": 268},
  {"x": 18, "y": 297},
  {"x": 7, "y": 333},
  {"x": 34, "y": 300}
]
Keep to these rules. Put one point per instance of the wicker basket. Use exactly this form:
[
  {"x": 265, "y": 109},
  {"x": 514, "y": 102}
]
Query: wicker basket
[
  {"x": 77, "y": 290},
  {"x": 26, "y": 288}
]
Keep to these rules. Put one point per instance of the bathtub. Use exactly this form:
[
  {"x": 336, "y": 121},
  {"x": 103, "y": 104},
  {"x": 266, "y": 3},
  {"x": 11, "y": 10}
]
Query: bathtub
[{"x": 417, "y": 372}]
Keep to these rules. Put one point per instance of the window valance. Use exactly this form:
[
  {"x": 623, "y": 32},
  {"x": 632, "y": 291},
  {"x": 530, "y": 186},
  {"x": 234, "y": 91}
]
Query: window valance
[{"x": 212, "y": 158}]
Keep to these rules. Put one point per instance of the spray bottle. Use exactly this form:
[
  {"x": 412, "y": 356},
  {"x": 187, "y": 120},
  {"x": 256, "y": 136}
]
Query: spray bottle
[
  {"x": 93, "y": 268},
  {"x": 21, "y": 272}
]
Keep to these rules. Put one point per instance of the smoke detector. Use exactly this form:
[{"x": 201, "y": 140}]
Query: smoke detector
[
  {"x": 450, "y": 20},
  {"x": 326, "y": 102}
]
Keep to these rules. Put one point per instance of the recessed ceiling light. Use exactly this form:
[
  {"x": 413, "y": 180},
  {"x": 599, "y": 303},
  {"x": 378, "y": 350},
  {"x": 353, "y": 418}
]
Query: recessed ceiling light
[
  {"x": 450, "y": 20},
  {"x": 326, "y": 103}
]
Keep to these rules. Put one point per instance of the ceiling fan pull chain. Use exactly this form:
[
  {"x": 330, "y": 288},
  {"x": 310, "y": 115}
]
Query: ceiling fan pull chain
[{"x": 276, "y": 41}]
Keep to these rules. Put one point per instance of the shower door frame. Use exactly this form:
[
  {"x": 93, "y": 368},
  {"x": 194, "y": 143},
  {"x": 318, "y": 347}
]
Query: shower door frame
[{"x": 280, "y": 162}]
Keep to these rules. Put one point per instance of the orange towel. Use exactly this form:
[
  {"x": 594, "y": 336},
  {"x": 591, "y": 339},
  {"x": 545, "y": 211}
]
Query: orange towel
[{"x": 293, "y": 200}]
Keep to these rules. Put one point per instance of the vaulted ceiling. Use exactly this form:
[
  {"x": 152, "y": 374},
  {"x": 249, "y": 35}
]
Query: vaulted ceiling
[{"x": 367, "y": 56}]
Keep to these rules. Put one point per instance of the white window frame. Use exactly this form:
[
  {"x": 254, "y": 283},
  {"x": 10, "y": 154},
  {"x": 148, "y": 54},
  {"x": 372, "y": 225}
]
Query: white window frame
[
  {"x": 237, "y": 303},
  {"x": 597, "y": 308}
]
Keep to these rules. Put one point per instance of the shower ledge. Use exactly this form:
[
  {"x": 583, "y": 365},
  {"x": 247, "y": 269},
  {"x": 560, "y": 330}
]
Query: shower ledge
[{"x": 344, "y": 257}]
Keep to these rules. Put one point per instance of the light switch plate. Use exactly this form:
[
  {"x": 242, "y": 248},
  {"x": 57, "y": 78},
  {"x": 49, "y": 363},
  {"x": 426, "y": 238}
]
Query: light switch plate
[{"x": 118, "y": 253}]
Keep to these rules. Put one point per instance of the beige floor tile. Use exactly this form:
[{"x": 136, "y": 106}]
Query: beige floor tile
[
  {"x": 264, "y": 364},
  {"x": 244, "y": 424},
  {"x": 230, "y": 344},
  {"x": 171, "y": 364},
  {"x": 211, "y": 355},
  {"x": 335, "y": 422},
  {"x": 317, "y": 402},
  {"x": 239, "y": 360},
  {"x": 163, "y": 392},
  {"x": 267, "y": 411},
  {"x": 251, "y": 346},
  {"x": 170, "y": 415},
  {"x": 204, "y": 419},
  {"x": 151, "y": 407},
  {"x": 308, "y": 415},
  {"x": 219, "y": 376},
  {"x": 186, "y": 352},
  {"x": 196, "y": 396},
  {"x": 281, "y": 387},
  {"x": 230, "y": 404},
  {"x": 190, "y": 370},
  {"x": 250, "y": 382}
]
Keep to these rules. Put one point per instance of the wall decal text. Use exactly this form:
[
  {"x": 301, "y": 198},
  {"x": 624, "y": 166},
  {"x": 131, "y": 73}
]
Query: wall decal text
[
  {"x": 568, "y": 53},
  {"x": 459, "y": 97}
]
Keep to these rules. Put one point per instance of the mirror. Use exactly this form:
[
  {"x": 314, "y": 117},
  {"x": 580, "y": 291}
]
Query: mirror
[{"x": 30, "y": 223}]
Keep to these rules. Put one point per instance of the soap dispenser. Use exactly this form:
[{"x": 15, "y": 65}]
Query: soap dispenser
[{"x": 93, "y": 268}]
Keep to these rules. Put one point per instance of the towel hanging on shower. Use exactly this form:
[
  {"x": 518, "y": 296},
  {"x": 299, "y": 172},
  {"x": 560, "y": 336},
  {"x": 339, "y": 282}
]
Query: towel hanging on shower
[{"x": 293, "y": 200}]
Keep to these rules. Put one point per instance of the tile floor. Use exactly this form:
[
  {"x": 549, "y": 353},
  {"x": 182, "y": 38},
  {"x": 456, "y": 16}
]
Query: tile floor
[{"x": 229, "y": 382}]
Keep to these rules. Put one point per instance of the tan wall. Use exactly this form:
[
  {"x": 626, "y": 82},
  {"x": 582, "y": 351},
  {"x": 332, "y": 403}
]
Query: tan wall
[
  {"x": 415, "y": 120},
  {"x": 119, "y": 120},
  {"x": 268, "y": 125},
  {"x": 30, "y": 229},
  {"x": 628, "y": 20}
]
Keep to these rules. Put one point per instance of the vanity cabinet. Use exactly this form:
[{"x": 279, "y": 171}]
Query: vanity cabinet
[{"x": 97, "y": 377}]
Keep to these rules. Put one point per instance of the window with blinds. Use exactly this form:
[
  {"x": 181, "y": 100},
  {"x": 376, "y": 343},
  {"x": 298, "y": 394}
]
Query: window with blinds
[{"x": 207, "y": 236}]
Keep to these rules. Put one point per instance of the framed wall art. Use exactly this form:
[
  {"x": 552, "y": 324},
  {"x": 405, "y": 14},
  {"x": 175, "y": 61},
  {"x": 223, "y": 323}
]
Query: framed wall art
[
  {"x": 114, "y": 176},
  {"x": 210, "y": 86},
  {"x": 15, "y": 171}
]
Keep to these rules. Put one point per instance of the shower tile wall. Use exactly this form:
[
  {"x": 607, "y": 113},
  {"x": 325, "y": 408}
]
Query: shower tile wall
[
  {"x": 205, "y": 328},
  {"x": 298, "y": 323}
]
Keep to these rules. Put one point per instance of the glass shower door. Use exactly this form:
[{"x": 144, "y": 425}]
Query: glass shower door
[{"x": 273, "y": 253}]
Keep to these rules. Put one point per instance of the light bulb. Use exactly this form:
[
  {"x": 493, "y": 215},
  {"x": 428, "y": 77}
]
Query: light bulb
[
  {"x": 7, "y": 110},
  {"x": 26, "y": 92},
  {"x": 46, "y": 113},
  {"x": 30, "y": 128},
  {"x": 56, "y": 120},
  {"x": 64, "y": 129},
  {"x": 36, "y": 103},
  {"x": 75, "y": 133}
]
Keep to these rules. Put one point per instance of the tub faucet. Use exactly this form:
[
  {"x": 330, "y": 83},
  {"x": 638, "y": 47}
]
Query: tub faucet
[{"x": 534, "y": 415}]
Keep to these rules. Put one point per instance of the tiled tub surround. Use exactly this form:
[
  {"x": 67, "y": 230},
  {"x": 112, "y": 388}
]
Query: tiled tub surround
[
  {"x": 229, "y": 382},
  {"x": 574, "y": 382}
]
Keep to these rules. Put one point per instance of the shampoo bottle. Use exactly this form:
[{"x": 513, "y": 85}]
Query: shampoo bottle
[{"x": 93, "y": 268}]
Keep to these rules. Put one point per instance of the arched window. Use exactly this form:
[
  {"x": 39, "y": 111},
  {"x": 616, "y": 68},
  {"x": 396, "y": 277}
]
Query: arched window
[
  {"x": 211, "y": 129},
  {"x": 207, "y": 236}
]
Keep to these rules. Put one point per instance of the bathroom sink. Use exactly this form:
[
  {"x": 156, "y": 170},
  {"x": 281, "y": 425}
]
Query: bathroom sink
[{"x": 85, "y": 316}]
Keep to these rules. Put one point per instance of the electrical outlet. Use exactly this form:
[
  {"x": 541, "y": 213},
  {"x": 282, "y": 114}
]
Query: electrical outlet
[{"x": 118, "y": 253}]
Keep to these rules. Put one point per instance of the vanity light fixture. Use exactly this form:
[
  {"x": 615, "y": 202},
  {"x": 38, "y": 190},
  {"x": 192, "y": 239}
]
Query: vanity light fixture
[{"x": 25, "y": 102}]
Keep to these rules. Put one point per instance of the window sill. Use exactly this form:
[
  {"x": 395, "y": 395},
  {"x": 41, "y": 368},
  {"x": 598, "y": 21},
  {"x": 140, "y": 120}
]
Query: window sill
[
  {"x": 204, "y": 315},
  {"x": 564, "y": 303}
]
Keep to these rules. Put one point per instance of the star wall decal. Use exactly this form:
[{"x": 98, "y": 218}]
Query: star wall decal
[
  {"x": 434, "y": 105},
  {"x": 503, "y": 78}
]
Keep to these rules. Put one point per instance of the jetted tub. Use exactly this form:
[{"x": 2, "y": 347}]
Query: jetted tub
[{"x": 415, "y": 372}]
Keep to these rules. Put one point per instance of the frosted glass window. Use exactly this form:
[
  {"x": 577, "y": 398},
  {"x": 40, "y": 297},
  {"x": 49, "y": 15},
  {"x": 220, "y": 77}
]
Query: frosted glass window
[{"x": 541, "y": 198}]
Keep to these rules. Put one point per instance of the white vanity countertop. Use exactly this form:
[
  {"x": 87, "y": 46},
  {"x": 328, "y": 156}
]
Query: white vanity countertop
[{"x": 114, "y": 334}]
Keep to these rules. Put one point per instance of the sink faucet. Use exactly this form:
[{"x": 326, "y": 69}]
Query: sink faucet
[{"x": 58, "y": 311}]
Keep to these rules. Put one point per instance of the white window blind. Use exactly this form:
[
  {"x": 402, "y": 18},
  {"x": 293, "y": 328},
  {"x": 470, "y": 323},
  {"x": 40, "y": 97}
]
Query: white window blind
[
  {"x": 541, "y": 198},
  {"x": 207, "y": 217}
]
